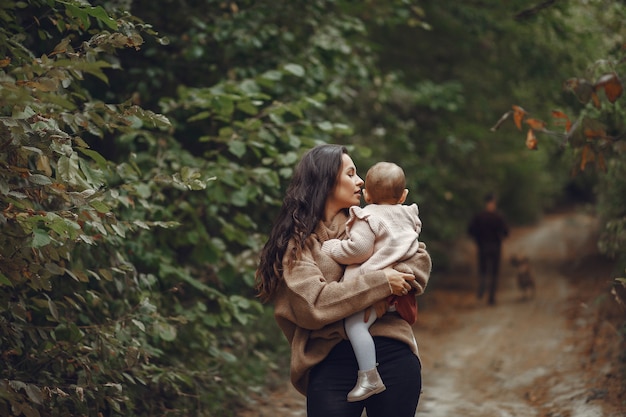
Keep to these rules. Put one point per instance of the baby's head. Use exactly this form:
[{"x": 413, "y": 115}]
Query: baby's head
[{"x": 385, "y": 183}]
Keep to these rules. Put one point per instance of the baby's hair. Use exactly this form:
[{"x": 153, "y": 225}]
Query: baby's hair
[{"x": 385, "y": 182}]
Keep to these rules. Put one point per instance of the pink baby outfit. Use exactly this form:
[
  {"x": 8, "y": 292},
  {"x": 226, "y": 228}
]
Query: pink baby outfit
[{"x": 379, "y": 236}]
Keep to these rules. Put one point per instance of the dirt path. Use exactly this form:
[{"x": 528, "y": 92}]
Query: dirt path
[{"x": 522, "y": 358}]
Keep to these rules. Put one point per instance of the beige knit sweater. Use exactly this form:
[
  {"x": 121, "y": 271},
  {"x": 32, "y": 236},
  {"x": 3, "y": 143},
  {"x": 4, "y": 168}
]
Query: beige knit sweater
[{"x": 311, "y": 302}]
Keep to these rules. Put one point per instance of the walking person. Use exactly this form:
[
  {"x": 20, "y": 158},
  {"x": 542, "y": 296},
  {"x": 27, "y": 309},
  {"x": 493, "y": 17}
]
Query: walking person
[
  {"x": 378, "y": 236},
  {"x": 488, "y": 228},
  {"x": 311, "y": 300}
]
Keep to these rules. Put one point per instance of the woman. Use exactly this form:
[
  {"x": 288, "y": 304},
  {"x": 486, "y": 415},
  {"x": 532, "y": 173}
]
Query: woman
[{"x": 311, "y": 301}]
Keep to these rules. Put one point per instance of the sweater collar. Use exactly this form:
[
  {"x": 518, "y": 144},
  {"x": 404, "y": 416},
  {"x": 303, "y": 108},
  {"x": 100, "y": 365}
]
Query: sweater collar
[{"x": 332, "y": 230}]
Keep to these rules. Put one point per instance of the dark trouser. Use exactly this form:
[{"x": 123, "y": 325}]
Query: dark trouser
[
  {"x": 488, "y": 269},
  {"x": 332, "y": 379}
]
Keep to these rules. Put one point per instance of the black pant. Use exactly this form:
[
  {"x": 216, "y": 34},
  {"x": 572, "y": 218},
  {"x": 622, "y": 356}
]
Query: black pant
[
  {"x": 332, "y": 379},
  {"x": 488, "y": 269}
]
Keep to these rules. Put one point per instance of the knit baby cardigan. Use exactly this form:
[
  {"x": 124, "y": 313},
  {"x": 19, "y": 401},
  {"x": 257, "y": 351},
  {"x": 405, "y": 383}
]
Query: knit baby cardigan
[
  {"x": 311, "y": 301},
  {"x": 378, "y": 236}
]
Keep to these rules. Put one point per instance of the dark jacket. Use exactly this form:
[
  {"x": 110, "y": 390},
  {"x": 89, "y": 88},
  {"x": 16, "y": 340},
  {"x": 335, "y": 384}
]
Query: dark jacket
[{"x": 488, "y": 228}]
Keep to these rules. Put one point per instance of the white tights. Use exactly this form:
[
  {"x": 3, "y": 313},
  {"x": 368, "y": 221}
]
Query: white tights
[{"x": 361, "y": 339}]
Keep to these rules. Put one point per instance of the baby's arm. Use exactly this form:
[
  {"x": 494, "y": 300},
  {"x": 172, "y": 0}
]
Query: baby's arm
[
  {"x": 354, "y": 250},
  {"x": 414, "y": 210}
]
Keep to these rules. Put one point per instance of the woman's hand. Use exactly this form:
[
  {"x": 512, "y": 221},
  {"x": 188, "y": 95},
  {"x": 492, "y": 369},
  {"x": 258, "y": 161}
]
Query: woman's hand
[
  {"x": 400, "y": 285},
  {"x": 399, "y": 281}
]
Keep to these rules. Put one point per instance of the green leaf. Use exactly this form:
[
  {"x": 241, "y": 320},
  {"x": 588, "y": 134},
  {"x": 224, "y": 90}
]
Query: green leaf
[
  {"x": 94, "y": 68},
  {"x": 294, "y": 69},
  {"x": 228, "y": 357},
  {"x": 115, "y": 404},
  {"x": 4, "y": 280},
  {"x": 166, "y": 331},
  {"x": 119, "y": 230},
  {"x": 223, "y": 105},
  {"x": 106, "y": 274},
  {"x": 40, "y": 238},
  {"x": 139, "y": 325},
  {"x": 326, "y": 126},
  {"x": 53, "y": 308},
  {"x": 100, "y": 206},
  {"x": 249, "y": 87},
  {"x": 71, "y": 274},
  {"x": 199, "y": 116},
  {"x": 68, "y": 171},
  {"x": 343, "y": 128},
  {"x": 54, "y": 269},
  {"x": 39, "y": 179},
  {"x": 79, "y": 14},
  {"x": 272, "y": 75},
  {"x": 64, "y": 227},
  {"x": 99, "y": 159},
  {"x": 149, "y": 118},
  {"x": 237, "y": 148},
  {"x": 248, "y": 108},
  {"x": 34, "y": 393},
  {"x": 99, "y": 13}
]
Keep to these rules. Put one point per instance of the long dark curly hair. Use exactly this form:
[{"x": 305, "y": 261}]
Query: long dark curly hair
[{"x": 313, "y": 180}]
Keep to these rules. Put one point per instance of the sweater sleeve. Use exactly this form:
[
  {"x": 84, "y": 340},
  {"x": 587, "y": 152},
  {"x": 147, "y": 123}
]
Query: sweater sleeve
[
  {"x": 354, "y": 250},
  {"x": 311, "y": 301},
  {"x": 419, "y": 265}
]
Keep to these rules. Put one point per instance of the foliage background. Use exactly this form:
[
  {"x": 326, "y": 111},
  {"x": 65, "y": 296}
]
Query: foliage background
[{"x": 143, "y": 154}]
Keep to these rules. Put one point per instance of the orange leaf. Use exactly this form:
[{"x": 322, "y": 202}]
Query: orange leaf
[
  {"x": 5, "y": 62},
  {"x": 531, "y": 140},
  {"x": 596, "y": 100},
  {"x": 587, "y": 156},
  {"x": 612, "y": 86},
  {"x": 557, "y": 114},
  {"x": 536, "y": 124},
  {"x": 518, "y": 115},
  {"x": 594, "y": 134}
]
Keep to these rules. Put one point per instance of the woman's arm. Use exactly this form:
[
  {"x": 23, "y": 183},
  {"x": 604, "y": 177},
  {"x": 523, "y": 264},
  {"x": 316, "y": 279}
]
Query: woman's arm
[
  {"x": 312, "y": 296},
  {"x": 313, "y": 302},
  {"x": 419, "y": 265}
]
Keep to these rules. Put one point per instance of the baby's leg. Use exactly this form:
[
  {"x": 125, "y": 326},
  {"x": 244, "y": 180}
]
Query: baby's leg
[
  {"x": 361, "y": 339},
  {"x": 368, "y": 380}
]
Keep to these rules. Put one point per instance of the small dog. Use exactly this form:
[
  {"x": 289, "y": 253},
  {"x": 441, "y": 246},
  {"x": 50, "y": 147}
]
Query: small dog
[{"x": 525, "y": 280}]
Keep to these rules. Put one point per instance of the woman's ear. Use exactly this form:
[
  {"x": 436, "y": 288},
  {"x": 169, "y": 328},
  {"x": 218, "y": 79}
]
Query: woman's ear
[{"x": 404, "y": 194}]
